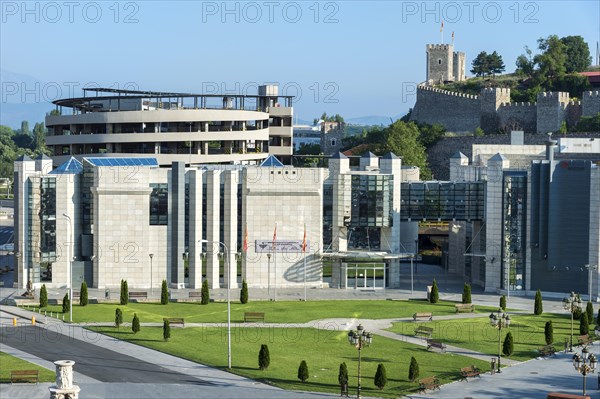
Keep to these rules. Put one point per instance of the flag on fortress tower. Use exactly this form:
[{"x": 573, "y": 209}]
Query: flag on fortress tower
[
  {"x": 452, "y": 37},
  {"x": 274, "y": 236},
  {"x": 442, "y": 27},
  {"x": 245, "y": 247},
  {"x": 304, "y": 240}
]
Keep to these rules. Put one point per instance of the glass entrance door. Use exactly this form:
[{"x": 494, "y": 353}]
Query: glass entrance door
[{"x": 365, "y": 275}]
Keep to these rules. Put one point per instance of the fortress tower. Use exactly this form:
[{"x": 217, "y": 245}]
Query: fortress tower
[{"x": 444, "y": 64}]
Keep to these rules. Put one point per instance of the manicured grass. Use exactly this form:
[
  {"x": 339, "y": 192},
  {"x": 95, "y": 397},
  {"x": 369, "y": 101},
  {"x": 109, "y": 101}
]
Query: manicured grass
[
  {"x": 477, "y": 334},
  {"x": 323, "y": 351},
  {"x": 275, "y": 312},
  {"x": 10, "y": 363}
]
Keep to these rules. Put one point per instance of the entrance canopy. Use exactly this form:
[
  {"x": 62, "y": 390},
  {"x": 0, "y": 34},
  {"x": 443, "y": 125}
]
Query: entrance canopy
[{"x": 366, "y": 256}]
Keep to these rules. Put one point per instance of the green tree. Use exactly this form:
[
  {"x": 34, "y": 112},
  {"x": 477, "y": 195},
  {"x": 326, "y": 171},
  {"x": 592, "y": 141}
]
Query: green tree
[
  {"x": 549, "y": 332},
  {"x": 135, "y": 324},
  {"x": 413, "y": 370},
  {"x": 264, "y": 358},
  {"x": 503, "y": 302},
  {"x": 481, "y": 65},
  {"x": 124, "y": 298},
  {"x": 598, "y": 318},
  {"x": 563, "y": 128},
  {"x": 118, "y": 317},
  {"x": 584, "y": 325},
  {"x": 430, "y": 134},
  {"x": 25, "y": 128},
  {"x": 380, "y": 376},
  {"x": 589, "y": 310},
  {"x": 303, "y": 371},
  {"x": 83, "y": 294},
  {"x": 588, "y": 124},
  {"x": 164, "y": 293},
  {"x": 525, "y": 63},
  {"x": 495, "y": 63},
  {"x": 343, "y": 374},
  {"x": 551, "y": 62},
  {"x": 244, "y": 293},
  {"x": 66, "y": 303},
  {"x": 508, "y": 346},
  {"x": 466, "y": 296},
  {"x": 166, "y": 329},
  {"x": 538, "y": 307},
  {"x": 434, "y": 296},
  {"x": 43, "y": 297},
  {"x": 403, "y": 140},
  {"x": 39, "y": 137},
  {"x": 578, "y": 54},
  {"x": 479, "y": 132},
  {"x": 205, "y": 294}
]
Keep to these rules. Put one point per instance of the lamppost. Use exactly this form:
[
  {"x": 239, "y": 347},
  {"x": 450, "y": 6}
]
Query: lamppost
[
  {"x": 499, "y": 320},
  {"x": 269, "y": 275},
  {"x": 590, "y": 268},
  {"x": 226, "y": 250},
  {"x": 584, "y": 364},
  {"x": 358, "y": 339},
  {"x": 412, "y": 285},
  {"x": 572, "y": 303},
  {"x": 70, "y": 269},
  {"x": 151, "y": 280}
]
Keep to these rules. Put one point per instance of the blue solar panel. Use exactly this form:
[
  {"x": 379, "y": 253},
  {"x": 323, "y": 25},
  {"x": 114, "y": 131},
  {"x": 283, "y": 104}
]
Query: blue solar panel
[
  {"x": 72, "y": 166},
  {"x": 272, "y": 161},
  {"x": 122, "y": 161}
]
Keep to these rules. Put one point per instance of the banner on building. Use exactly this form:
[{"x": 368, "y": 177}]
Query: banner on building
[{"x": 280, "y": 246}]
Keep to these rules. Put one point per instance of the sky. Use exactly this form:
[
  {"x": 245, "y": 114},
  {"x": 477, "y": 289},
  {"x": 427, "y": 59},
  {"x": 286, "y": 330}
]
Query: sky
[{"x": 355, "y": 58}]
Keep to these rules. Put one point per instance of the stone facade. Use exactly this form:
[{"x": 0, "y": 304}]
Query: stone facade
[
  {"x": 444, "y": 64},
  {"x": 332, "y": 134}
]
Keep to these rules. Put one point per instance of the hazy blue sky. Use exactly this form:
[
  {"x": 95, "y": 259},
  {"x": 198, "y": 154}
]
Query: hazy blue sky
[{"x": 355, "y": 58}]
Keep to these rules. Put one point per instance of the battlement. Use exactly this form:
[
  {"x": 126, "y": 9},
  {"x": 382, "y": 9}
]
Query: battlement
[
  {"x": 554, "y": 96},
  {"x": 446, "y": 92},
  {"x": 574, "y": 103},
  {"x": 492, "y": 91},
  {"x": 439, "y": 46},
  {"x": 591, "y": 94},
  {"x": 519, "y": 104}
]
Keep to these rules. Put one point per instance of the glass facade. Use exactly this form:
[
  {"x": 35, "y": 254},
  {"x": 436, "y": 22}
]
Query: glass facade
[
  {"x": 442, "y": 201},
  {"x": 48, "y": 220},
  {"x": 514, "y": 220},
  {"x": 327, "y": 215},
  {"x": 372, "y": 201},
  {"x": 159, "y": 204},
  {"x": 87, "y": 199}
]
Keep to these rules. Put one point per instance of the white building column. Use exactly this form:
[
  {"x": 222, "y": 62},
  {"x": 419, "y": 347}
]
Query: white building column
[
  {"x": 195, "y": 229},
  {"x": 230, "y": 224},
  {"x": 213, "y": 192}
]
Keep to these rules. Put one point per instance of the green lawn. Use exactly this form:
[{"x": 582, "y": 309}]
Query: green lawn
[
  {"x": 276, "y": 312},
  {"x": 10, "y": 363},
  {"x": 323, "y": 351},
  {"x": 477, "y": 334}
]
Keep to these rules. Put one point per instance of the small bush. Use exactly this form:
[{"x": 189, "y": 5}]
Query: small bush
[
  {"x": 124, "y": 298},
  {"x": 509, "y": 346},
  {"x": 264, "y": 358},
  {"x": 303, "y": 371},
  {"x": 244, "y": 292},
  {"x": 434, "y": 296},
  {"x": 538, "y": 307},
  {"x": 135, "y": 324},
  {"x": 43, "y": 297},
  {"x": 503, "y": 302},
  {"x": 65, "y": 304},
  {"x": 584, "y": 326},
  {"x": 413, "y": 370},
  {"x": 164, "y": 293},
  {"x": 118, "y": 317},
  {"x": 549, "y": 332},
  {"x": 83, "y": 294},
  {"x": 577, "y": 312},
  {"x": 343, "y": 374},
  {"x": 589, "y": 310},
  {"x": 598, "y": 318},
  {"x": 205, "y": 294},
  {"x": 466, "y": 296},
  {"x": 166, "y": 330},
  {"x": 380, "y": 376}
]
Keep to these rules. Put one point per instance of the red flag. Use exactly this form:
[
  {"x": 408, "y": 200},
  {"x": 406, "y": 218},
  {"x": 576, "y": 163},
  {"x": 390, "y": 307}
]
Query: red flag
[
  {"x": 452, "y": 35},
  {"x": 246, "y": 239},
  {"x": 442, "y": 28},
  {"x": 304, "y": 240},
  {"x": 274, "y": 236}
]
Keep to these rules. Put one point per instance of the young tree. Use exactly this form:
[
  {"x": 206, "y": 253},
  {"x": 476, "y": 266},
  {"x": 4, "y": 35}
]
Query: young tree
[
  {"x": 303, "y": 371},
  {"x": 481, "y": 64},
  {"x": 549, "y": 332},
  {"x": 135, "y": 324},
  {"x": 589, "y": 310},
  {"x": 244, "y": 293},
  {"x": 65, "y": 304},
  {"x": 434, "y": 296},
  {"x": 466, "y": 296},
  {"x": 39, "y": 136},
  {"x": 83, "y": 294},
  {"x": 495, "y": 63},
  {"x": 584, "y": 326},
  {"x": 164, "y": 293},
  {"x": 166, "y": 330},
  {"x": 538, "y": 306},
  {"x": 343, "y": 374},
  {"x": 525, "y": 63},
  {"x": 264, "y": 358},
  {"x": 380, "y": 376},
  {"x": 43, "y": 297},
  {"x": 118, "y": 317},
  {"x": 503, "y": 302},
  {"x": 124, "y": 299},
  {"x": 413, "y": 369},
  {"x": 508, "y": 347},
  {"x": 205, "y": 294}
]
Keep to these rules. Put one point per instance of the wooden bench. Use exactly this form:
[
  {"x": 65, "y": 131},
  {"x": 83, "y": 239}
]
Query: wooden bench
[
  {"x": 558, "y": 395},
  {"x": 431, "y": 343},
  {"x": 470, "y": 371},
  {"x": 138, "y": 295},
  {"x": 584, "y": 339},
  {"x": 176, "y": 321},
  {"x": 194, "y": 294},
  {"x": 24, "y": 376},
  {"x": 428, "y": 383},
  {"x": 426, "y": 316},
  {"x": 254, "y": 317},
  {"x": 547, "y": 350},
  {"x": 424, "y": 332},
  {"x": 464, "y": 307}
]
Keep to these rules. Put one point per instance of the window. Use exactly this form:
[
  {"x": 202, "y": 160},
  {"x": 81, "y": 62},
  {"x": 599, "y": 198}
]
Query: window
[
  {"x": 440, "y": 61},
  {"x": 332, "y": 142},
  {"x": 159, "y": 204}
]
